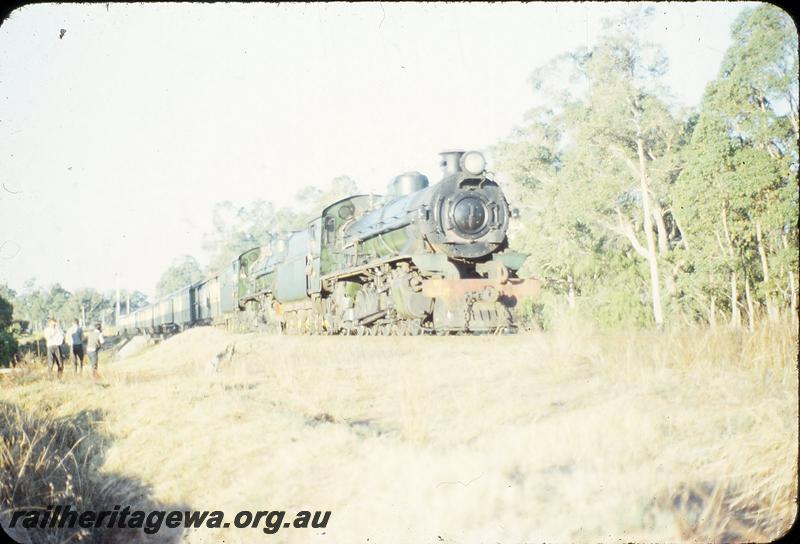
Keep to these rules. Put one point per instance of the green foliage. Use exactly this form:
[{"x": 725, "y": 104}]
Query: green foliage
[
  {"x": 235, "y": 229},
  {"x": 183, "y": 272},
  {"x": 7, "y": 293},
  {"x": 586, "y": 162},
  {"x": 607, "y": 145},
  {"x": 737, "y": 192},
  {"x": 36, "y": 304},
  {"x": 6, "y": 313},
  {"x": 538, "y": 314},
  {"x": 8, "y": 347},
  {"x": 621, "y": 301},
  {"x": 8, "y": 344},
  {"x": 313, "y": 199},
  {"x": 137, "y": 300},
  {"x": 18, "y": 327}
]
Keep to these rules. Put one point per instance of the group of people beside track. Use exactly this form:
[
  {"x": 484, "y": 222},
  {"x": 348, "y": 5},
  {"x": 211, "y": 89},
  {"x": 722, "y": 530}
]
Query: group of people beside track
[{"x": 80, "y": 345}]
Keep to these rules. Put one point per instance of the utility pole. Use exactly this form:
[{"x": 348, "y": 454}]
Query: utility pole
[
  {"x": 116, "y": 314},
  {"x": 83, "y": 315}
]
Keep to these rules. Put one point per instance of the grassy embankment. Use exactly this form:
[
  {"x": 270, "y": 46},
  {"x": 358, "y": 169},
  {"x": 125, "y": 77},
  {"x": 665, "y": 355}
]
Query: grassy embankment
[{"x": 567, "y": 436}]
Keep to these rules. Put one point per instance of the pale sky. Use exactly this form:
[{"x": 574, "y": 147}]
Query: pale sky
[{"x": 117, "y": 139}]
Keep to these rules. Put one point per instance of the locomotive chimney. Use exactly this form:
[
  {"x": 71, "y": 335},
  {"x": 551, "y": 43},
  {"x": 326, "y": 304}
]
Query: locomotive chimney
[{"x": 450, "y": 162}]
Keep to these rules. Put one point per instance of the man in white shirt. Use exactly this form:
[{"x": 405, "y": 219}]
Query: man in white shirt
[{"x": 54, "y": 337}]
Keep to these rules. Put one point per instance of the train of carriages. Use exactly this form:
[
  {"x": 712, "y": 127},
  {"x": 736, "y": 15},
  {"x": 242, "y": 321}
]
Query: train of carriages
[{"x": 421, "y": 259}]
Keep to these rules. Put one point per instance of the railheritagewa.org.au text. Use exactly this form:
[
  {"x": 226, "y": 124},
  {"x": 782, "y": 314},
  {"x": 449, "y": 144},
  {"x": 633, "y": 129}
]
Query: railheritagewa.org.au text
[{"x": 151, "y": 522}]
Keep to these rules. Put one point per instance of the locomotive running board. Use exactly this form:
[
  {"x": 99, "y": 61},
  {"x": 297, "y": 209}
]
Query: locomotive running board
[{"x": 456, "y": 289}]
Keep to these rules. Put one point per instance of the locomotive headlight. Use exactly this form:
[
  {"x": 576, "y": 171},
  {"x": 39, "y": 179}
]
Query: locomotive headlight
[{"x": 473, "y": 162}]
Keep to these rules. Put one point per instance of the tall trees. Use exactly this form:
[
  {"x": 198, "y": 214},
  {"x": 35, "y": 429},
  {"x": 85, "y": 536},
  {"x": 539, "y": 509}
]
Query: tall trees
[
  {"x": 35, "y": 304},
  {"x": 91, "y": 305},
  {"x": 626, "y": 197},
  {"x": 182, "y": 272},
  {"x": 236, "y": 229},
  {"x": 738, "y": 189},
  {"x": 625, "y": 139},
  {"x": 607, "y": 159}
]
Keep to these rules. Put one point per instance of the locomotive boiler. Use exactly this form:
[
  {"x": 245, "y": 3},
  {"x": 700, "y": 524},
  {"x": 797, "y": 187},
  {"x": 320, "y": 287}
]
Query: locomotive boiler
[{"x": 422, "y": 258}]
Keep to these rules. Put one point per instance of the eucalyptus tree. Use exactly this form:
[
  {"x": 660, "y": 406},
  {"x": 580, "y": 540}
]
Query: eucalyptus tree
[
  {"x": 182, "y": 272},
  {"x": 738, "y": 191},
  {"x": 531, "y": 157},
  {"x": 237, "y": 228},
  {"x": 605, "y": 162}
]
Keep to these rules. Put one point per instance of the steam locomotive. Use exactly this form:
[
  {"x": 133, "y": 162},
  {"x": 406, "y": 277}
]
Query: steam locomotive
[{"x": 422, "y": 258}]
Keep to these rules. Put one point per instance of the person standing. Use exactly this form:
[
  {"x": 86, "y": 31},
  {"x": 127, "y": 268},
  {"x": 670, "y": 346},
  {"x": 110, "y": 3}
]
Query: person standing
[
  {"x": 93, "y": 345},
  {"x": 54, "y": 337},
  {"x": 75, "y": 339}
]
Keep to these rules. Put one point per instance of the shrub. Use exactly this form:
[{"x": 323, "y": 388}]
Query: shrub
[{"x": 8, "y": 347}]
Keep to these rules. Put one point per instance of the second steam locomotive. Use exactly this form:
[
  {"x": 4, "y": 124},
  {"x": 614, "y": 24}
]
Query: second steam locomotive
[{"x": 422, "y": 258}]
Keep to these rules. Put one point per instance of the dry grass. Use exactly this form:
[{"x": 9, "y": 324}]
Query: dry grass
[
  {"x": 568, "y": 436},
  {"x": 49, "y": 460}
]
